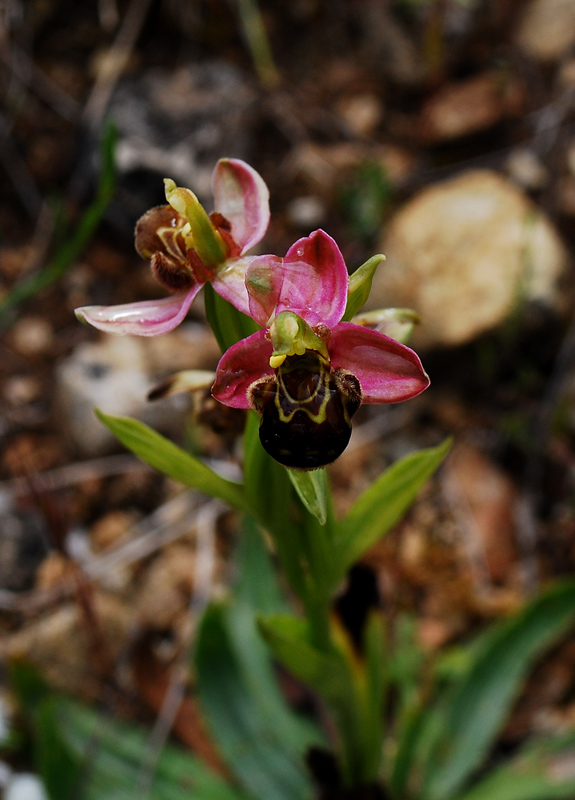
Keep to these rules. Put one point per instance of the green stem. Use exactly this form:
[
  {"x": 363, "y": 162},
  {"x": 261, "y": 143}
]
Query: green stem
[
  {"x": 256, "y": 37},
  {"x": 318, "y": 613}
]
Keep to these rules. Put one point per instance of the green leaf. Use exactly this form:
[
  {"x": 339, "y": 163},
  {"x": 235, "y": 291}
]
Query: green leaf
[
  {"x": 247, "y": 731},
  {"x": 257, "y": 591},
  {"x": 83, "y": 755},
  {"x": 312, "y": 490},
  {"x": 373, "y": 694},
  {"x": 171, "y": 460},
  {"x": 289, "y": 640},
  {"x": 482, "y": 699},
  {"x": 360, "y": 286},
  {"x": 544, "y": 770},
  {"x": 384, "y": 503},
  {"x": 263, "y": 739},
  {"x": 228, "y": 324},
  {"x": 352, "y": 687}
]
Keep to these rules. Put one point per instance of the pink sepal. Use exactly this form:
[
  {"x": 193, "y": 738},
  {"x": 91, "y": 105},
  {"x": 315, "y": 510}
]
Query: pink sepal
[
  {"x": 388, "y": 372},
  {"x": 315, "y": 280},
  {"x": 241, "y": 195},
  {"x": 311, "y": 281},
  {"x": 230, "y": 282},
  {"x": 264, "y": 279},
  {"x": 146, "y": 318},
  {"x": 239, "y": 367}
]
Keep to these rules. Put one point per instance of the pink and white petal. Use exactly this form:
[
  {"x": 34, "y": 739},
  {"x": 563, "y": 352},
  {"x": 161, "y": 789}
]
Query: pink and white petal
[
  {"x": 315, "y": 280},
  {"x": 389, "y": 372},
  {"x": 241, "y": 195},
  {"x": 239, "y": 367},
  {"x": 230, "y": 282},
  {"x": 146, "y": 318},
  {"x": 264, "y": 279}
]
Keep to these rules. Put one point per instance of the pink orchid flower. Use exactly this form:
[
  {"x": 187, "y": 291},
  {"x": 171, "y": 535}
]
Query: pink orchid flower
[
  {"x": 188, "y": 248},
  {"x": 307, "y": 372}
]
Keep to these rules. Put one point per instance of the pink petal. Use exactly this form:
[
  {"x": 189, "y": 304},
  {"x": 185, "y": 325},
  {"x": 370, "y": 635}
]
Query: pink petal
[
  {"x": 315, "y": 280},
  {"x": 388, "y": 372},
  {"x": 241, "y": 195},
  {"x": 239, "y": 367},
  {"x": 264, "y": 279},
  {"x": 229, "y": 281},
  {"x": 147, "y": 318}
]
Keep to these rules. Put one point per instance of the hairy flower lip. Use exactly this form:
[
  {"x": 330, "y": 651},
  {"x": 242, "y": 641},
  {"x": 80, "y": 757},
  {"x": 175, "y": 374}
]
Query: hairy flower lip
[{"x": 241, "y": 201}]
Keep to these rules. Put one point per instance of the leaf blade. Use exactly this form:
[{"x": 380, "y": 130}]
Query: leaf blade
[
  {"x": 171, "y": 460},
  {"x": 360, "y": 286},
  {"x": 482, "y": 699},
  {"x": 312, "y": 489},
  {"x": 250, "y": 742},
  {"x": 88, "y": 756},
  {"x": 383, "y": 504},
  {"x": 542, "y": 771}
]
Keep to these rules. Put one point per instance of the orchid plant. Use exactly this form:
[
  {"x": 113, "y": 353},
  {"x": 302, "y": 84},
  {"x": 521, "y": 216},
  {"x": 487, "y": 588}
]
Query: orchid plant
[{"x": 300, "y": 361}]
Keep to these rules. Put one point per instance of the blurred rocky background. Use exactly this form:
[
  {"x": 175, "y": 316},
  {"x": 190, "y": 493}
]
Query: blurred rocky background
[{"x": 439, "y": 132}]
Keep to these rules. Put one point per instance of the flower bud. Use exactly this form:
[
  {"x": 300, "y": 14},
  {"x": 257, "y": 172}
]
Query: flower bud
[{"x": 397, "y": 323}]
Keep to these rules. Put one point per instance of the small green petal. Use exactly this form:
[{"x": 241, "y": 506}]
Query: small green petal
[
  {"x": 290, "y": 336},
  {"x": 360, "y": 286},
  {"x": 202, "y": 236}
]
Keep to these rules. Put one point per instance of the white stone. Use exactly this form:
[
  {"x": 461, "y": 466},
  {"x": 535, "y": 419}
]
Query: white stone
[
  {"x": 111, "y": 375},
  {"x": 306, "y": 212},
  {"x": 463, "y": 254},
  {"x": 547, "y": 29},
  {"x": 25, "y": 786}
]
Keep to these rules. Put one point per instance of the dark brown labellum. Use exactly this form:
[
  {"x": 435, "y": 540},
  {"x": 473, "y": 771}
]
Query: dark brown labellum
[{"x": 306, "y": 411}]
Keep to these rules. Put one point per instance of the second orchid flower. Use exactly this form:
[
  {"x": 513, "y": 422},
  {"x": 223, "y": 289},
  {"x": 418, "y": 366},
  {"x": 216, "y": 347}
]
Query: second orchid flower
[{"x": 188, "y": 248}]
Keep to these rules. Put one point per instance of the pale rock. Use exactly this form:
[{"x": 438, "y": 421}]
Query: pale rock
[
  {"x": 464, "y": 254},
  {"x": 59, "y": 644},
  {"x": 190, "y": 346},
  {"x": 164, "y": 591},
  {"x": 469, "y": 106},
  {"x": 526, "y": 169},
  {"x": 325, "y": 167},
  {"x": 547, "y": 29},
  {"x": 566, "y": 74},
  {"x": 306, "y": 212},
  {"x": 483, "y": 498},
  {"x": 20, "y": 390},
  {"x": 32, "y": 336},
  {"x": 361, "y": 113},
  {"x": 111, "y": 375},
  {"x": 25, "y": 786},
  {"x": 110, "y": 529},
  {"x": 5, "y": 773}
]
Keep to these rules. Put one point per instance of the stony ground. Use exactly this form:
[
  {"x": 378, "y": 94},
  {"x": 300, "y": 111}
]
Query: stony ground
[{"x": 440, "y": 133}]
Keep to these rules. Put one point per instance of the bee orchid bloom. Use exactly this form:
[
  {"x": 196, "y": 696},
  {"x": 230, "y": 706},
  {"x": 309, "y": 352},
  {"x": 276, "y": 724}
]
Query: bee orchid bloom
[
  {"x": 307, "y": 372},
  {"x": 188, "y": 248}
]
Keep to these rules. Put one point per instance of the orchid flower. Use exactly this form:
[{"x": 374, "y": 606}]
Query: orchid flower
[
  {"x": 188, "y": 248},
  {"x": 306, "y": 372}
]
